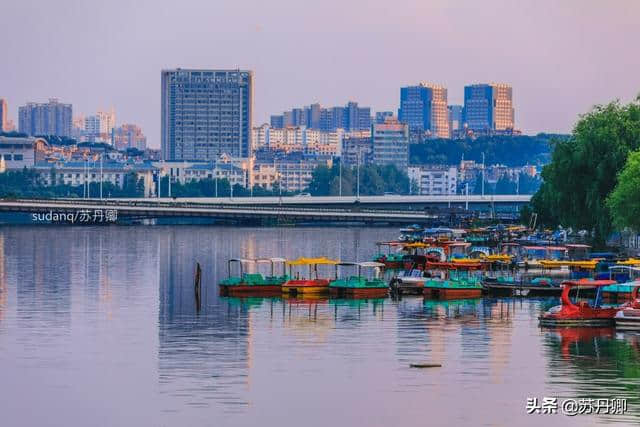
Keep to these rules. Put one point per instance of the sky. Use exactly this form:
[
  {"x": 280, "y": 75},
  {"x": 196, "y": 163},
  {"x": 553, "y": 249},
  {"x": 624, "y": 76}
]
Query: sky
[{"x": 561, "y": 57}]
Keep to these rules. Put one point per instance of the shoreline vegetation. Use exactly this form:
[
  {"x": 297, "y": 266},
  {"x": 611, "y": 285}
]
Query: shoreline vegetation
[{"x": 593, "y": 180}]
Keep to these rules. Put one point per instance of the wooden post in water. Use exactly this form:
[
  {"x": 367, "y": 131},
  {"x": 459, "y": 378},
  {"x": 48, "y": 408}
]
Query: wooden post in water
[{"x": 197, "y": 285}]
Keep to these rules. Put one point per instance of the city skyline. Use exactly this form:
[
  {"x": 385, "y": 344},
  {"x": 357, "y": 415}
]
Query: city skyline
[{"x": 542, "y": 55}]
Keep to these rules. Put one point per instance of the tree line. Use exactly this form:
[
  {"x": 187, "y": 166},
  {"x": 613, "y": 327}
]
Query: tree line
[
  {"x": 593, "y": 179},
  {"x": 374, "y": 180},
  {"x": 516, "y": 150}
]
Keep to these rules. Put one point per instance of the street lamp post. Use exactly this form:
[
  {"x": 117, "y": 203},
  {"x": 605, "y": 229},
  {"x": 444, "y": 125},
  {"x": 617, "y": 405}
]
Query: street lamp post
[
  {"x": 483, "y": 174},
  {"x": 100, "y": 176},
  {"x": 358, "y": 173},
  {"x": 340, "y": 181}
]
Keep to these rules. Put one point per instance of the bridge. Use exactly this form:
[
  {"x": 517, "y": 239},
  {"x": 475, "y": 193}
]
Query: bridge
[
  {"x": 392, "y": 210},
  {"x": 473, "y": 202}
]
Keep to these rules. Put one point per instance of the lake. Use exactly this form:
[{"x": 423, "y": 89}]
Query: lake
[{"x": 98, "y": 326}]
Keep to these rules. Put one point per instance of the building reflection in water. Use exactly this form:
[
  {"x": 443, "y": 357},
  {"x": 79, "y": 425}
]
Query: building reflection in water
[{"x": 202, "y": 355}]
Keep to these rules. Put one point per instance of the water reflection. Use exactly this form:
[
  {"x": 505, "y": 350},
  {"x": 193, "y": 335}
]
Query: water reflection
[
  {"x": 101, "y": 323},
  {"x": 595, "y": 363}
]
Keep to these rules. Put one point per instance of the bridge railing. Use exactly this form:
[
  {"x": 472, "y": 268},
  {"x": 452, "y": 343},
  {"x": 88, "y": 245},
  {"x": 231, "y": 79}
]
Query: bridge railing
[{"x": 226, "y": 206}]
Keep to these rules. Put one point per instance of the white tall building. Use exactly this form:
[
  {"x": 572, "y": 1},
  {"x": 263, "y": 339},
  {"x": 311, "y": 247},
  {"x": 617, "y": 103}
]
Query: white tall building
[{"x": 99, "y": 127}]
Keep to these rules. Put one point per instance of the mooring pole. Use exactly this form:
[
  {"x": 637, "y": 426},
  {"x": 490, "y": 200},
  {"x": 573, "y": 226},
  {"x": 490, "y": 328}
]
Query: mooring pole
[{"x": 197, "y": 285}]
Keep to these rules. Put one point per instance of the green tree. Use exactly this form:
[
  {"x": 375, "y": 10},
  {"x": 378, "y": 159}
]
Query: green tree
[
  {"x": 374, "y": 180},
  {"x": 584, "y": 168},
  {"x": 624, "y": 200},
  {"x": 505, "y": 186}
]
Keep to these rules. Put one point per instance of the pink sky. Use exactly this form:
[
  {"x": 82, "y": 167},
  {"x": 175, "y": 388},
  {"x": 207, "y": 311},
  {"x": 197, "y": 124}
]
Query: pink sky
[{"x": 560, "y": 57}]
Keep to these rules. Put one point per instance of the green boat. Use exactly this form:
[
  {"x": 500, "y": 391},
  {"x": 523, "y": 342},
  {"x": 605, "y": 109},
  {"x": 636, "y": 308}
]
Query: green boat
[
  {"x": 621, "y": 291},
  {"x": 254, "y": 284},
  {"x": 456, "y": 282},
  {"x": 367, "y": 285}
]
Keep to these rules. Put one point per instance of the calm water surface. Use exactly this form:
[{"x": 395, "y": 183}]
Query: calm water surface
[{"x": 98, "y": 327}]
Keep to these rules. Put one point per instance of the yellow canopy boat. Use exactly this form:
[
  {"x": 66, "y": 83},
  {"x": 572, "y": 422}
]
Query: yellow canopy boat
[
  {"x": 312, "y": 261},
  {"x": 630, "y": 261},
  {"x": 587, "y": 264}
]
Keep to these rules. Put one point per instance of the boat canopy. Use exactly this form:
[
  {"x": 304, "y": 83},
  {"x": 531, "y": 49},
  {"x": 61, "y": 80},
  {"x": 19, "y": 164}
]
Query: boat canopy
[
  {"x": 371, "y": 264},
  {"x": 624, "y": 267},
  {"x": 590, "y": 264},
  {"x": 416, "y": 245},
  {"x": 348, "y": 264},
  {"x": 588, "y": 283},
  {"x": 312, "y": 261},
  {"x": 498, "y": 257},
  {"x": 628, "y": 262},
  {"x": 470, "y": 264}
]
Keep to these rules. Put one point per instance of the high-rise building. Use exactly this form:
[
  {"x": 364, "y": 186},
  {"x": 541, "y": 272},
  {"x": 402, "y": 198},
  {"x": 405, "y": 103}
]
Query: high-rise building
[
  {"x": 92, "y": 127},
  {"x": 99, "y": 127},
  {"x": 277, "y": 121},
  {"x": 439, "y": 112},
  {"x": 424, "y": 109},
  {"x": 488, "y": 107},
  {"x": 52, "y": 118},
  {"x": 350, "y": 118},
  {"x": 206, "y": 113},
  {"x": 129, "y": 136},
  {"x": 455, "y": 118},
  {"x": 381, "y": 116},
  {"x": 415, "y": 107},
  {"x": 107, "y": 121},
  {"x": 390, "y": 143},
  {"x": 4, "y": 115}
]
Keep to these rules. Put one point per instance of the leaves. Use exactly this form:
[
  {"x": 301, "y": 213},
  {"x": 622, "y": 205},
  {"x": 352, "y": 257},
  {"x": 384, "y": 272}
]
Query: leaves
[
  {"x": 374, "y": 180},
  {"x": 584, "y": 168},
  {"x": 624, "y": 201}
]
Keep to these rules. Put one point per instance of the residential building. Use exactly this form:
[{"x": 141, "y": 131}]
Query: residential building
[
  {"x": 356, "y": 148},
  {"x": 76, "y": 173},
  {"x": 381, "y": 116},
  {"x": 77, "y": 127},
  {"x": 350, "y": 118},
  {"x": 292, "y": 171},
  {"x": 52, "y": 118},
  {"x": 4, "y": 115},
  {"x": 21, "y": 152},
  {"x": 184, "y": 171},
  {"x": 206, "y": 113},
  {"x": 277, "y": 121},
  {"x": 424, "y": 109},
  {"x": 455, "y": 119},
  {"x": 390, "y": 143},
  {"x": 91, "y": 129},
  {"x": 488, "y": 107},
  {"x": 129, "y": 136},
  {"x": 435, "y": 180},
  {"x": 299, "y": 138},
  {"x": 265, "y": 175},
  {"x": 294, "y": 175}
]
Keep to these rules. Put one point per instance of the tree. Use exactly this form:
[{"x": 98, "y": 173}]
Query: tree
[
  {"x": 505, "y": 186},
  {"x": 624, "y": 200},
  {"x": 374, "y": 180},
  {"x": 584, "y": 168}
]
